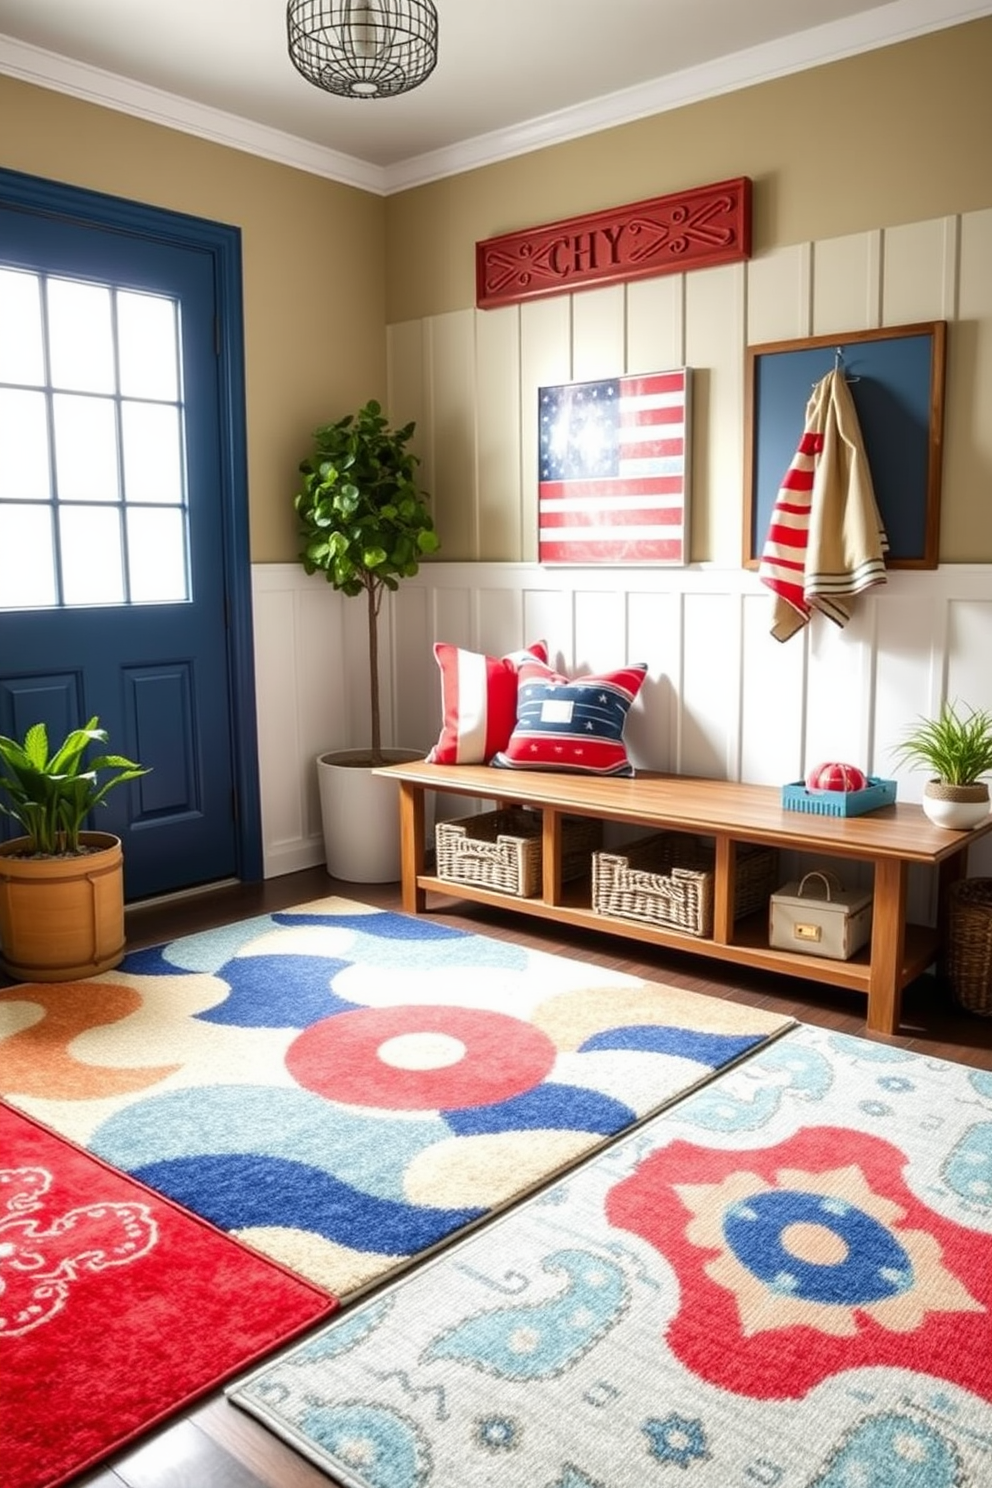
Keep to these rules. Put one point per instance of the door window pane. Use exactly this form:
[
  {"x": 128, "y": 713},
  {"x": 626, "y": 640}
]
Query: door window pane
[
  {"x": 24, "y": 466},
  {"x": 92, "y": 561},
  {"x": 80, "y": 336},
  {"x": 91, "y": 373},
  {"x": 22, "y": 356},
  {"x": 146, "y": 346},
  {"x": 27, "y": 557},
  {"x": 152, "y": 464},
  {"x": 156, "y": 544},
  {"x": 85, "y": 448}
]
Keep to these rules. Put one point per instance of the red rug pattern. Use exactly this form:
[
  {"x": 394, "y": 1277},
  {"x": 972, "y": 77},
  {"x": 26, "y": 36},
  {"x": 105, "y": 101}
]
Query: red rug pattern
[{"x": 117, "y": 1308}]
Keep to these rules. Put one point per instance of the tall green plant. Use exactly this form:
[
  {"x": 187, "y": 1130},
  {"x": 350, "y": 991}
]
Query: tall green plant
[
  {"x": 52, "y": 795},
  {"x": 364, "y": 521},
  {"x": 957, "y": 750}
]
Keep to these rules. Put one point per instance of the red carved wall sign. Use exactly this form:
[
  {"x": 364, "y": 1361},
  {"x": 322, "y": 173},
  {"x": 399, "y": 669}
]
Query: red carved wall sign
[{"x": 687, "y": 230}]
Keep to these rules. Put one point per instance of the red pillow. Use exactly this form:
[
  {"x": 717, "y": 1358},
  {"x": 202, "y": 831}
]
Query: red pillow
[
  {"x": 573, "y": 724},
  {"x": 478, "y": 702}
]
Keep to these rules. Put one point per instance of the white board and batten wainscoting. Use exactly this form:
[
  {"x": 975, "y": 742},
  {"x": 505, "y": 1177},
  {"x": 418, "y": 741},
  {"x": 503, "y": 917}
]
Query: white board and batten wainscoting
[{"x": 721, "y": 700}]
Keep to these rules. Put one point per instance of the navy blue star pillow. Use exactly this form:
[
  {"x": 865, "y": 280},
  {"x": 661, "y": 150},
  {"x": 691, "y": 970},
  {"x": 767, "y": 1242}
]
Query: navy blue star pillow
[{"x": 572, "y": 724}]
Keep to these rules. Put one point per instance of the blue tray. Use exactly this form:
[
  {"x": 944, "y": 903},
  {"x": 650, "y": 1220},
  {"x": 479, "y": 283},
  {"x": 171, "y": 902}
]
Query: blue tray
[{"x": 796, "y": 797}]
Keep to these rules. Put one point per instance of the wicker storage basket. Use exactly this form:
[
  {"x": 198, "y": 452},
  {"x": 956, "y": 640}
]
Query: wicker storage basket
[
  {"x": 668, "y": 880},
  {"x": 969, "y": 944},
  {"x": 502, "y": 849}
]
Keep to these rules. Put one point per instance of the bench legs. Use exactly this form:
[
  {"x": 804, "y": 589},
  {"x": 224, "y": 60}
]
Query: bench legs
[
  {"x": 887, "y": 946},
  {"x": 412, "y": 846}
]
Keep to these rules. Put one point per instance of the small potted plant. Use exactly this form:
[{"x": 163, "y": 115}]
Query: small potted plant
[
  {"x": 365, "y": 525},
  {"x": 956, "y": 748},
  {"x": 59, "y": 921}
]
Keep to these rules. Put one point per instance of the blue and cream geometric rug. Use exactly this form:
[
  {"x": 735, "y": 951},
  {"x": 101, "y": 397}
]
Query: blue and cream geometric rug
[
  {"x": 783, "y": 1281},
  {"x": 345, "y": 1088}
]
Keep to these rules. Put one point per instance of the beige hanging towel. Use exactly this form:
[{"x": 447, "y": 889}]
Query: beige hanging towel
[{"x": 826, "y": 541}]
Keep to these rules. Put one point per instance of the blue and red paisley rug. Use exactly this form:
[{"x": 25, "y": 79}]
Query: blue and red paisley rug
[{"x": 783, "y": 1281}]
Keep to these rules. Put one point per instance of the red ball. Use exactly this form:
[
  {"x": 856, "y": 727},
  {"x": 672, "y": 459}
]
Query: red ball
[{"x": 836, "y": 777}]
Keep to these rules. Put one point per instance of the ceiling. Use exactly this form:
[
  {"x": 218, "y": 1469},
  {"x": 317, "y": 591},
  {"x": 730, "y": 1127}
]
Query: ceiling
[{"x": 512, "y": 75}]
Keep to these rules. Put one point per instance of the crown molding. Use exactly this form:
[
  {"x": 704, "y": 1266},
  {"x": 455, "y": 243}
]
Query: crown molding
[
  {"x": 109, "y": 90},
  {"x": 901, "y": 20}
]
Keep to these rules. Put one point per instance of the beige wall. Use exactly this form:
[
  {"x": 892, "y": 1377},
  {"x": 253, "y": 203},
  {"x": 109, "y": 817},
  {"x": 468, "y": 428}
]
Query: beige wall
[
  {"x": 895, "y": 135},
  {"x": 313, "y": 254}
]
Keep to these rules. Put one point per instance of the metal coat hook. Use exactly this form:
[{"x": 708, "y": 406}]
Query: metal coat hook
[{"x": 838, "y": 364}]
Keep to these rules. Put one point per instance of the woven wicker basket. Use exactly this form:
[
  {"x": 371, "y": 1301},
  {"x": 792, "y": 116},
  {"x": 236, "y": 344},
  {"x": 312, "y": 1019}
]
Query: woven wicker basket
[
  {"x": 502, "y": 850},
  {"x": 969, "y": 944},
  {"x": 667, "y": 879}
]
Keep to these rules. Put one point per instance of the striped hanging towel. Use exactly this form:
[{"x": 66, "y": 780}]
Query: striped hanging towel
[{"x": 826, "y": 540}]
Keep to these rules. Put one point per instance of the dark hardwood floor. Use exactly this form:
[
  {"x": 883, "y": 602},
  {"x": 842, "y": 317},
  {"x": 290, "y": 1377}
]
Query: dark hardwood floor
[{"x": 214, "y": 1445}]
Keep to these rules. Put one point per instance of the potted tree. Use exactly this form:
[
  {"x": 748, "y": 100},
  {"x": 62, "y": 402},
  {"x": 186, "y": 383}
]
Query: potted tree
[
  {"x": 61, "y": 887},
  {"x": 956, "y": 749},
  {"x": 365, "y": 525}
]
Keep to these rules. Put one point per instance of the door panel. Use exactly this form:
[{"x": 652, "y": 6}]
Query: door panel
[{"x": 158, "y": 675}]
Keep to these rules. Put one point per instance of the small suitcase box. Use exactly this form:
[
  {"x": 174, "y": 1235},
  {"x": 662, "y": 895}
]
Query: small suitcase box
[{"x": 819, "y": 917}]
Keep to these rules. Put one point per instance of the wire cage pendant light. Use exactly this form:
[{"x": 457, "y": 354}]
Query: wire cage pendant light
[{"x": 363, "y": 48}]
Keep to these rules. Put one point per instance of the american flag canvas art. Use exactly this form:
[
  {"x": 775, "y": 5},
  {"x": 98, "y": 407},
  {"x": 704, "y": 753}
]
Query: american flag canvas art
[{"x": 613, "y": 474}]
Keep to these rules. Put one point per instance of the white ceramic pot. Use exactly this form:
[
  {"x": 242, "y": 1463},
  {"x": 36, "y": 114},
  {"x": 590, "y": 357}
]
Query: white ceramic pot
[
  {"x": 360, "y": 815},
  {"x": 958, "y": 807}
]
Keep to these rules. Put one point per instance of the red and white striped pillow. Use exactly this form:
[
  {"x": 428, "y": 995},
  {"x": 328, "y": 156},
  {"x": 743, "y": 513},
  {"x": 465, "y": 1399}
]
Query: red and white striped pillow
[{"x": 478, "y": 702}]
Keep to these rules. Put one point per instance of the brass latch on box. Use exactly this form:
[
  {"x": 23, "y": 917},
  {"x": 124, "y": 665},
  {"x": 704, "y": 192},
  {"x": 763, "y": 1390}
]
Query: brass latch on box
[{"x": 806, "y": 932}]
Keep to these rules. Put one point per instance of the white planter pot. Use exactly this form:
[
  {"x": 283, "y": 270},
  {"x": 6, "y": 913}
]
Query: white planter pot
[
  {"x": 360, "y": 815},
  {"x": 957, "y": 807}
]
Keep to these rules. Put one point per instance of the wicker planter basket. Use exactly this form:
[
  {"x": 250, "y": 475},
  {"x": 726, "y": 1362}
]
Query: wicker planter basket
[
  {"x": 62, "y": 919},
  {"x": 668, "y": 880},
  {"x": 502, "y": 850},
  {"x": 969, "y": 944}
]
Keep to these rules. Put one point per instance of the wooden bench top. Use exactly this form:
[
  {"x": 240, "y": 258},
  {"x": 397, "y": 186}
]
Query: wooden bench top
[{"x": 712, "y": 807}]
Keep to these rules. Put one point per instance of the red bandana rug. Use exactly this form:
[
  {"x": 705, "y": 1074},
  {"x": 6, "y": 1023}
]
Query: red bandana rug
[{"x": 116, "y": 1308}]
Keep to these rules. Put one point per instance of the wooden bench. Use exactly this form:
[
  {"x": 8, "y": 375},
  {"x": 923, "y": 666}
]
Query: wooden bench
[{"x": 890, "y": 839}]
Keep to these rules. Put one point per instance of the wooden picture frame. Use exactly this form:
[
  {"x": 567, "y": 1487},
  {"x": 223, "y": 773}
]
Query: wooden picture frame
[{"x": 896, "y": 376}]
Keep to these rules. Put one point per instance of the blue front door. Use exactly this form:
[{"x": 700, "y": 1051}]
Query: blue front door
[{"x": 115, "y": 566}]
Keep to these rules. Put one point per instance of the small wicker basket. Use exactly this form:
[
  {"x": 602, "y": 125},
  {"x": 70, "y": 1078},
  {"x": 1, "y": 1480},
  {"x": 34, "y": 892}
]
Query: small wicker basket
[
  {"x": 502, "y": 850},
  {"x": 668, "y": 879},
  {"x": 968, "y": 950}
]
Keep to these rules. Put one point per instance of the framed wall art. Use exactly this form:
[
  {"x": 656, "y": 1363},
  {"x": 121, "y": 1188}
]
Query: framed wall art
[
  {"x": 613, "y": 470},
  {"x": 896, "y": 377}
]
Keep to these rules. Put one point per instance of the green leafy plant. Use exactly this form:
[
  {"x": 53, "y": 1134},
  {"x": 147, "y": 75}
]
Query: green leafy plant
[
  {"x": 364, "y": 521},
  {"x": 52, "y": 795},
  {"x": 956, "y": 749}
]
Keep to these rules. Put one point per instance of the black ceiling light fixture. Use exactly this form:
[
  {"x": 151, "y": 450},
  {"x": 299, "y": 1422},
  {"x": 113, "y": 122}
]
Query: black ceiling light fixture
[{"x": 363, "y": 48}]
